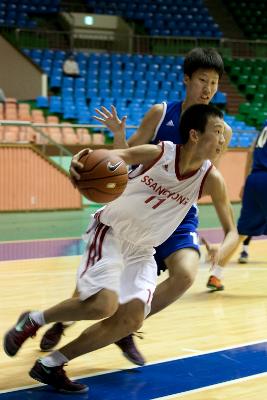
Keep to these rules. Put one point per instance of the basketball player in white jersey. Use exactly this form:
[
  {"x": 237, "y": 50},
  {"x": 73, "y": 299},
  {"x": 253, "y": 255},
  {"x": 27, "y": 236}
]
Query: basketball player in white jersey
[{"x": 118, "y": 273}]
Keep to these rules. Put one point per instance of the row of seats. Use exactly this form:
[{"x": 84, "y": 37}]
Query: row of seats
[
  {"x": 14, "y": 13},
  {"x": 251, "y": 78},
  {"x": 11, "y": 111},
  {"x": 162, "y": 18},
  {"x": 135, "y": 78},
  {"x": 65, "y": 135},
  {"x": 77, "y": 107}
]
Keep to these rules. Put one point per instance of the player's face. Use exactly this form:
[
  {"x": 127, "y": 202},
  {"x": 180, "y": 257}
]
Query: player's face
[
  {"x": 212, "y": 140},
  {"x": 202, "y": 86}
]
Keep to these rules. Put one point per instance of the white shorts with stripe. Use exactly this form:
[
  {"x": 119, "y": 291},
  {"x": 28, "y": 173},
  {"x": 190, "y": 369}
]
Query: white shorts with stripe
[{"x": 117, "y": 265}]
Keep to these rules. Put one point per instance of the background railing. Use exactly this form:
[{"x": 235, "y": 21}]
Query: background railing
[{"x": 132, "y": 43}]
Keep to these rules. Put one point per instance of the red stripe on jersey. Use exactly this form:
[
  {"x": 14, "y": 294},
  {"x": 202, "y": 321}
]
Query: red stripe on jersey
[{"x": 203, "y": 181}]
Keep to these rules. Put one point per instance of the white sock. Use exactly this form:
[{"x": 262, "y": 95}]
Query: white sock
[
  {"x": 38, "y": 317},
  {"x": 217, "y": 271},
  {"x": 245, "y": 248},
  {"x": 54, "y": 359}
]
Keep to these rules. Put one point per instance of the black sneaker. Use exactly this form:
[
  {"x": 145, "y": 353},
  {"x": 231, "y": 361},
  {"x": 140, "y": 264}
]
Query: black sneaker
[
  {"x": 243, "y": 258},
  {"x": 52, "y": 336},
  {"x": 130, "y": 351},
  {"x": 56, "y": 377},
  {"x": 16, "y": 336}
]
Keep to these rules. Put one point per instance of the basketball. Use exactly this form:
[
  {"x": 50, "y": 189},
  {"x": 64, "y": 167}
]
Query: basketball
[{"x": 103, "y": 177}]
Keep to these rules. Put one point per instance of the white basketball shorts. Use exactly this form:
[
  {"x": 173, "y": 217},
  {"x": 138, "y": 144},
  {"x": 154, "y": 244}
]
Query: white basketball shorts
[{"x": 117, "y": 265}]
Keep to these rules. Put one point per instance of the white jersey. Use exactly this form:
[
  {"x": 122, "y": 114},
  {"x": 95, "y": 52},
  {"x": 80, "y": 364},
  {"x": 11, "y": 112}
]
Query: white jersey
[{"x": 155, "y": 200}]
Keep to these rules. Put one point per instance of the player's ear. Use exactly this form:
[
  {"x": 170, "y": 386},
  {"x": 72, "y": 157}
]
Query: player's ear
[
  {"x": 194, "y": 135},
  {"x": 186, "y": 79}
]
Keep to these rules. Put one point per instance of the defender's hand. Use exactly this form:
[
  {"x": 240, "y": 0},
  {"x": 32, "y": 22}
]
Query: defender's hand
[{"x": 111, "y": 120}]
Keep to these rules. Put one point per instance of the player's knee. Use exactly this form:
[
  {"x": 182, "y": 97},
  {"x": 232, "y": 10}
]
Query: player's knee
[
  {"x": 107, "y": 309},
  {"x": 188, "y": 277},
  {"x": 184, "y": 271},
  {"x": 132, "y": 323},
  {"x": 104, "y": 305}
]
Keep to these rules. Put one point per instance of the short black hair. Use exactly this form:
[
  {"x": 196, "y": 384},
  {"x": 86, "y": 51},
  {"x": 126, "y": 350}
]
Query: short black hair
[
  {"x": 196, "y": 117},
  {"x": 205, "y": 58}
]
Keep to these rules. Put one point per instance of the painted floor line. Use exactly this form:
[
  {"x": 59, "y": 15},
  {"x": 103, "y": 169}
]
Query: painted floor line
[
  {"x": 201, "y": 353},
  {"x": 217, "y": 385}
]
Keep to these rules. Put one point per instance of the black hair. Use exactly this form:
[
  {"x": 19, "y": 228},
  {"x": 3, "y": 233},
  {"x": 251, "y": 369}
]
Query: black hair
[
  {"x": 203, "y": 58},
  {"x": 196, "y": 117}
]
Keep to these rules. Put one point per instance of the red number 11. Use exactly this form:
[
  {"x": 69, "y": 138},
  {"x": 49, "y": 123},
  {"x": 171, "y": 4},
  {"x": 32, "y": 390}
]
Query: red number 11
[{"x": 160, "y": 201}]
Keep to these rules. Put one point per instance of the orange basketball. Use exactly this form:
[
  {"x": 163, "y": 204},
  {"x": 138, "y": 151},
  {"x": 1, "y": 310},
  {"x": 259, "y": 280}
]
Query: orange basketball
[{"x": 103, "y": 177}]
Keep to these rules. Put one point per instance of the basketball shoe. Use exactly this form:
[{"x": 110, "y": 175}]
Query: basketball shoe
[
  {"x": 130, "y": 351},
  {"x": 243, "y": 258},
  {"x": 16, "y": 336},
  {"x": 214, "y": 284},
  {"x": 52, "y": 336},
  {"x": 56, "y": 377}
]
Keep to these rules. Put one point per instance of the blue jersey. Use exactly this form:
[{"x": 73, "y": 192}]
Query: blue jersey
[
  {"x": 260, "y": 152},
  {"x": 168, "y": 129},
  {"x": 253, "y": 216}
]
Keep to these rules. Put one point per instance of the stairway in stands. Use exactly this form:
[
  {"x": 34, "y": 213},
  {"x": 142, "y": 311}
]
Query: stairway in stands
[
  {"x": 234, "y": 97},
  {"x": 224, "y": 19}
]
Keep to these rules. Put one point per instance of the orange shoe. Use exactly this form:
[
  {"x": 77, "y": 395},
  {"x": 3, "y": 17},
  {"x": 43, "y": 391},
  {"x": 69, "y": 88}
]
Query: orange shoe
[{"x": 214, "y": 284}]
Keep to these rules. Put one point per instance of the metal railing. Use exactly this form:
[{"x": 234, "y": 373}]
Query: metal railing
[
  {"x": 63, "y": 151},
  {"x": 169, "y": 45}
]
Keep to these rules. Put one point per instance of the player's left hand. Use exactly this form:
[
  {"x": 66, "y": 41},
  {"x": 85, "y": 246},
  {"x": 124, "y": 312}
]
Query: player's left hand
[
  {"x": 213, "y": 252},
  {"x": 75, "y": 164}
]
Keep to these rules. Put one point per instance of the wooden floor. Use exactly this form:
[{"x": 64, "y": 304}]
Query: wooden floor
[{"x": 198, "y": 322}]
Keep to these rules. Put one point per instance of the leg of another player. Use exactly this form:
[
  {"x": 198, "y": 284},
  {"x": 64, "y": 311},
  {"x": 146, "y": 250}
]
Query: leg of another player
[
  {"x": 182, "y": 266},
  {"x": 243, "y": 257}
]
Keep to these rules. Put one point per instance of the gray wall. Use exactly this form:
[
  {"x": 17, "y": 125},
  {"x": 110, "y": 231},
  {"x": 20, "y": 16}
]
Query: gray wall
[{"x": 19, "y": 77}]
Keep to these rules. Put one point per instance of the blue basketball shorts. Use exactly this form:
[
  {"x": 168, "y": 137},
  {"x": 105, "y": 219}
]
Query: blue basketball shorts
[
  {"x": 183, "y": 238},
  {"x": 253, "y": 216}
]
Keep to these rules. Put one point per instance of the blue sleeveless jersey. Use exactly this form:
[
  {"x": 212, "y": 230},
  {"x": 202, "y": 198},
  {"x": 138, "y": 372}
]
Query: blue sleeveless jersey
[
  {"x": 168, "y": 129},
  {"x": 260, "y": 152}
]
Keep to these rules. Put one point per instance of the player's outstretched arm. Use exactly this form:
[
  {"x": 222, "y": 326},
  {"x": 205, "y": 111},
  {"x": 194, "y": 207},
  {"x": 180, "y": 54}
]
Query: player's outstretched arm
[
  {"x": 145, "y": 154},
  {"x": 216, "y": 188},
  {"x": 117, "y": 126}
]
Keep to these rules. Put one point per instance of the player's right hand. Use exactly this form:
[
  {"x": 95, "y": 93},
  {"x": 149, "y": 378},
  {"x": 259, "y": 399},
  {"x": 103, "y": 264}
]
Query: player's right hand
[
  {"x": 213, "y": 251},
  {"x": 75, "y": 164}
]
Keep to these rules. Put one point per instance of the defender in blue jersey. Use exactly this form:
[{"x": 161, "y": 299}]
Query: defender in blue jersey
[
  {"x": 253, "y": 215},
  {"x": 180, "y": 253}
]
